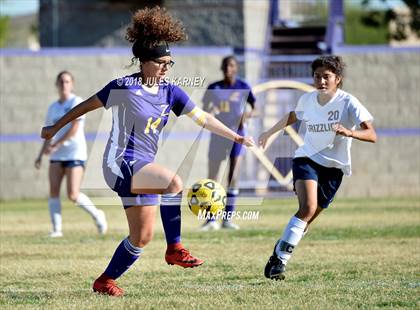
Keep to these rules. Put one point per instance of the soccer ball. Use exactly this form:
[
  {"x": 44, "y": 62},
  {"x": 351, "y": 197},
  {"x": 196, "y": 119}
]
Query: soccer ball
[{"x": 206, "y": 196}]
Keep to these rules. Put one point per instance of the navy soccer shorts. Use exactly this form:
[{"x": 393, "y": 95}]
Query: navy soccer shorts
[
  {"x": 329, "y": 179},
  {"x": 69, "y": 163},
  {"x": 122, "y": 185}
]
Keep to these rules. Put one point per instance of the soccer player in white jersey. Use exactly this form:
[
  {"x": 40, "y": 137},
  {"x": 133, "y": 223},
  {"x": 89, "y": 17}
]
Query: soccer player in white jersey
[
  {"x": 67, "y": 151},
  {"x": 333, "y": 118}
]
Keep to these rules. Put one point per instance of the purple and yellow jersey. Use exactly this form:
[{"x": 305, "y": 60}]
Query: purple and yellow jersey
[
  {"x": 228, "y": 101},
  {"x": 138, "y": 118}
]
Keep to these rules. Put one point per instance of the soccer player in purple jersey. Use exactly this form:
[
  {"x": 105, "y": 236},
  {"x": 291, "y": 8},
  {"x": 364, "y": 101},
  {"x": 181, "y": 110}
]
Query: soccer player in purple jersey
[
  {"x": 140, "y": 111},
  {"x": 228, "y": 99}
]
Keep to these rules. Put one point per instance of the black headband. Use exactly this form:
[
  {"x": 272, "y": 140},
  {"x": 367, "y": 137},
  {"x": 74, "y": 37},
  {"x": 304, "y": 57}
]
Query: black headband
[{"x": 144, "y": 52}]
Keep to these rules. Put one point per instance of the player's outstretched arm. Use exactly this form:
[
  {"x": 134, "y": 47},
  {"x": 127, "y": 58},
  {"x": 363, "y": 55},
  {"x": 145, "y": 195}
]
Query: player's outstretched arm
[
  {"x": 88, "y": 105},
  {"x": 212, "y": 124},
  {"x": 287, "y": 120},
  {"x": 367, "y": 132},
  {"x": 70, "y": 133}
]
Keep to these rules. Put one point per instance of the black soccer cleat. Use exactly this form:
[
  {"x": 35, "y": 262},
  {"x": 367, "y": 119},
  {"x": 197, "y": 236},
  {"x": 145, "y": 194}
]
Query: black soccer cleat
[{"x": 275, "y": 269}]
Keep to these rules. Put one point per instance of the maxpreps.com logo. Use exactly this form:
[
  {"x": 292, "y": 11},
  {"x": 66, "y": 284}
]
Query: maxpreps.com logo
[{"x": 231, "y": 215}]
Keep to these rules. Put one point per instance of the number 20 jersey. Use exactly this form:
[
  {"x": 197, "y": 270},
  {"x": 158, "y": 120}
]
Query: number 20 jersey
[{"x": 321, "y": 143}]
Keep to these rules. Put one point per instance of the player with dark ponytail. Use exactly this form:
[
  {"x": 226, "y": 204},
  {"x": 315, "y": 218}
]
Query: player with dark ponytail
[{"x": 333, "y": 118}]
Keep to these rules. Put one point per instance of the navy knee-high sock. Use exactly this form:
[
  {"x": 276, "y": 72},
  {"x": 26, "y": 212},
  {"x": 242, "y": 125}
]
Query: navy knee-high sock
[
  {"x": 125, "y": 255},
  {"x": 170, "y": 212},
  {"x": 230, "y": 204}
]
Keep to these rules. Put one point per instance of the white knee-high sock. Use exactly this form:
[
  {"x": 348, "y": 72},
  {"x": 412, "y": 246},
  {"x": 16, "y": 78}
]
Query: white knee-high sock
[
  {"x": 292, "y": 234},
  {"x": 86, "y": 204},
  {"x": 54, "y": 205}
]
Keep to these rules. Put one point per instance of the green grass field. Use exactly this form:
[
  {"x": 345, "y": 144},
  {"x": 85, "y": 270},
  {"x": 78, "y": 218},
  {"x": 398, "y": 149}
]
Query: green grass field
[{"x": 359, "y": 254}]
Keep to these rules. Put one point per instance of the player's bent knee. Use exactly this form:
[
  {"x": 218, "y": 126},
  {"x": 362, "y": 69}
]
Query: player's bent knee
[
  {"x": 306, "y": 212},
  {"x": 142, "y": 241},
  {"x": 176, "y": 185},
  {"x": 73, "y": 196}
]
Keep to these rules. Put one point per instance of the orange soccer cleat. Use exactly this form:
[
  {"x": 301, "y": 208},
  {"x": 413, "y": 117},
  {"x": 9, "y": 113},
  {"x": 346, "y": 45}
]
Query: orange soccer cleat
[
  {"x": 107, "y": 286},
  {"x": 183, "y": 258}
]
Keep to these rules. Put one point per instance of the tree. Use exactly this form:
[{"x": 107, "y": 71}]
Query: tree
[
  {"x": 4, "y": 27},
  {"x": 402, "y": 25}
]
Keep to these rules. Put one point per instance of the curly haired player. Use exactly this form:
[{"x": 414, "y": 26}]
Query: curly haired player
[{"x": 140, "y": 111}]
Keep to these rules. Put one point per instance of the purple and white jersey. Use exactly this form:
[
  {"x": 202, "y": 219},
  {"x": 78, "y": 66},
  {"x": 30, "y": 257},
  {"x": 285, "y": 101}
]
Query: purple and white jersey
[
  {"x": 138, "y": 118},
  {"x": 229, "y": 101}
]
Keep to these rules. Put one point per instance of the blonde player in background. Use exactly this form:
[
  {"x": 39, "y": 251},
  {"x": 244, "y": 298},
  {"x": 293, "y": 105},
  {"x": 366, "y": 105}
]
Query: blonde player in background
[{"x": 67, "y": 151}]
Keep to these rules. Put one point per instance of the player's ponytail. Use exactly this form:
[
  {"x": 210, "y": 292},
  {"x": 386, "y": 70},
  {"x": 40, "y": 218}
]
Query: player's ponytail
[{"x": 150, "y": 32}]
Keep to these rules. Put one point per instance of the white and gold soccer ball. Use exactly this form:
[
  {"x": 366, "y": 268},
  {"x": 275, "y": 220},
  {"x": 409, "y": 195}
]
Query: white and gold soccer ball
[{"x": 206, "y": 196}]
